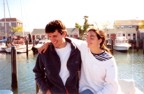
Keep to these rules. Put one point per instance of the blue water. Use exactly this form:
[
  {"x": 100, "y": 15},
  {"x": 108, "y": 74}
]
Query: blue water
[{"x": 130, "y": 66}]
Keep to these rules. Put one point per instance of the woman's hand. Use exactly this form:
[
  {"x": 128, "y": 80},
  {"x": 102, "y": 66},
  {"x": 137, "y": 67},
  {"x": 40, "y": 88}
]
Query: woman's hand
[
  {"x": 48, "y": 92},
  {"x": 43, "y": 48}
]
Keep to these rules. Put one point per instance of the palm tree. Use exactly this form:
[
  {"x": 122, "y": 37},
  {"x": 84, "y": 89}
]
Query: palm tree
[{"x": 83, "y": 28}]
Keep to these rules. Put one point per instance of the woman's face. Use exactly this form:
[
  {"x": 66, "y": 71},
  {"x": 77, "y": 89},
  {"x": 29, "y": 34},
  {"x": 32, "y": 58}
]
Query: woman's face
[{"x": 92, "y": 40}]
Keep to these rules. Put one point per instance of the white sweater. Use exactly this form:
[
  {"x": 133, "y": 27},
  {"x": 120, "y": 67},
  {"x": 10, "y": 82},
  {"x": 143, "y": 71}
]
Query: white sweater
[{"x": 98, "y": 76}]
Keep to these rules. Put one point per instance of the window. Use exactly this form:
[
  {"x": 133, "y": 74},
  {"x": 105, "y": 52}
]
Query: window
[
  {"x": 123, "y": 34},
  {"x": 134, "y": 36},
  {"x": 9, "y": 24},
  {"x": 2, "y": 24},
  {"x": 107, "y": 35}
]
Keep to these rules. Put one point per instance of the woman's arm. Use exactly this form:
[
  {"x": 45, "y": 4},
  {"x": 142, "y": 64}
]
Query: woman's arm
[
  {"x": 79, "y": 43},
  {"x": 43, "y": 48}
]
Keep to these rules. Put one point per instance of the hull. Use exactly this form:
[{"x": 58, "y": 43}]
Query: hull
[
  {"x": 121, "y": 44},
  {"x": 19, "y": 49},
  {"x": 2, "y": 47},
  {"x": 8, "y": 50},
  {"x": 121, "y": 48},
  {"x": 22, "y": 49}
]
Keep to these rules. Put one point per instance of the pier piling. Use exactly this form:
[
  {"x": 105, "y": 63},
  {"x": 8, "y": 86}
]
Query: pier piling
[
  {"x": 14, "y": 68},
  {"x": 27, "y": 48},
  {"x": 137, "y": 45},
  {"x": 112, "y": 46}
]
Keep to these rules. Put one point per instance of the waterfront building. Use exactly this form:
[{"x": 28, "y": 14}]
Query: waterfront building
[
  {"x": 130, "y": 29},
  {"x": 133, "y": 30},
  {"x": 6, "y": 24},
  {"x": 40, "y": 33}
]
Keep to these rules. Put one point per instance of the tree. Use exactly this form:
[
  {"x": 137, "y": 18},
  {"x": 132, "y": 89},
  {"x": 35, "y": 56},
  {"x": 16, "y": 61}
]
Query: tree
[
  {"x": 141, "y": 24},
  {"x": 83, "y": 28},
  {"x": 16, "y": 29},
  {"x": 13, "y": 31}
]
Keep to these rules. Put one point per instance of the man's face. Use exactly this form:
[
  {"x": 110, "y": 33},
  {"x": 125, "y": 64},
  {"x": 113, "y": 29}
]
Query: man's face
[{"x": 57, "y": 39}]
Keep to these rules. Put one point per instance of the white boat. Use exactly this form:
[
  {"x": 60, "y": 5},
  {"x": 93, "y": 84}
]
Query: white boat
[
  {"x": 127, "y": 86},
  {"x": 20, "y": 48},
  {"x": 2, "y": 47},
  {"x": 121, "y": 44},
  {"x": 40, "y": 43}
]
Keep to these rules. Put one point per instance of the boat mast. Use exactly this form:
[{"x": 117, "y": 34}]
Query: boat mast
[{"x": 5, "y": 29}]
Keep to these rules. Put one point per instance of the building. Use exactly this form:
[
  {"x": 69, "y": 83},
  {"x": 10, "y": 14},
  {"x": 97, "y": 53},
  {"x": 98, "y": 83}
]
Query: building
[
  {"x": 40, "y": 33},
  {"x": 133, "y": 30},
  {"x": 130, "y": 29},
  {"x": 6, "y": 24},
  {"x": 129, "y": 33}
]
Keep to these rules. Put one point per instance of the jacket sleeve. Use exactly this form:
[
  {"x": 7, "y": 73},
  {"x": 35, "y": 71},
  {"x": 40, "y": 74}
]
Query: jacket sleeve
[
  {"x": 40, "y": 76},
  {"x": 111, "y": 81}
]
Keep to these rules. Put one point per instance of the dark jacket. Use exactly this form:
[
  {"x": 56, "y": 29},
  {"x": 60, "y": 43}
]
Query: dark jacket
[{"x": 47, "y": 70}]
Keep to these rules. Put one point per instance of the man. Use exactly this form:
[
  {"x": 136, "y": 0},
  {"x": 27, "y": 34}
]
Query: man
[{"x": 56, "y": 70}]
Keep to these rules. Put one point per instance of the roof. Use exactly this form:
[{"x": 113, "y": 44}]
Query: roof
[
  {"x": 127, "y": 22},
  {"x": 38, "y": 31},
  {"x": 9, "y": 19},
  {"x": 22, "y": 33},
  {"x": 126, "y": 30},
  {"x": 42, "y": 31}
]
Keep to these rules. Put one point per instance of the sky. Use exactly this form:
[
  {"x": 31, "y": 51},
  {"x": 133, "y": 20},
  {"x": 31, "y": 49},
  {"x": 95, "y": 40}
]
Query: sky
[{"x": 37, "y": 13}]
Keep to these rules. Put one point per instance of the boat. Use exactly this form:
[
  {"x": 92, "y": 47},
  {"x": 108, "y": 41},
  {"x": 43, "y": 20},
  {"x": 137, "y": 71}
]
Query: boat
[
  {"x": 39, "y": 44},
  {"x": 127, "y": 86},
  {"x": 20, "y": 48},
  {"x": 121, "y": 44},
  {"x": 2, "y": 45}
]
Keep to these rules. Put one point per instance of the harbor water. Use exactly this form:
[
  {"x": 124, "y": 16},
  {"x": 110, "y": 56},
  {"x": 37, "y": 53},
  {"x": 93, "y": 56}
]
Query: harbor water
[{"x": 130, "y": 66}]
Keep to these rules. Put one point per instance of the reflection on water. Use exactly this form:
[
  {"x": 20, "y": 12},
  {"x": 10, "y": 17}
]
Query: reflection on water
[
  {"x": 130, "y": 66},
  {"x": 26, "y": 82}
]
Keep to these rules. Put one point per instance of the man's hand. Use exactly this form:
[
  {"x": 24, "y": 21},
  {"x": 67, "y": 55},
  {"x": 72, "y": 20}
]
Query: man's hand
[{"x": 43, "y": 48}]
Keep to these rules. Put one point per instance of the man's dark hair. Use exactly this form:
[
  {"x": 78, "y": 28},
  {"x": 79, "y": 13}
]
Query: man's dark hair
[{"x": 55, "y": 25}]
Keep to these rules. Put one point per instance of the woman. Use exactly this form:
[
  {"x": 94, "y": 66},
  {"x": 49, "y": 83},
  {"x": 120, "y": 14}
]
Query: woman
[{"x": 99, "y": 71}]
